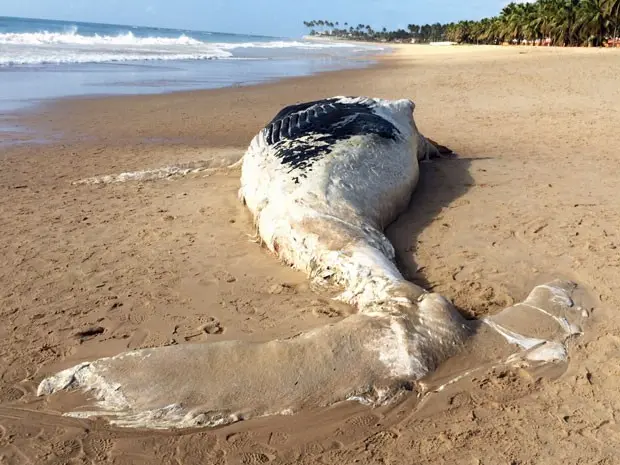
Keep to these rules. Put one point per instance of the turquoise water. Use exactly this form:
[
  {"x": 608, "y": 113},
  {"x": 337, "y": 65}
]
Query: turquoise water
[{"x": 43, "y": 59}]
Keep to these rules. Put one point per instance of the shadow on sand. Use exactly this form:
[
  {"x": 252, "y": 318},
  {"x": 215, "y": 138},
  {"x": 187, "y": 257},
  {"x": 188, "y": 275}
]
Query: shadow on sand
[
  {"x": 441, "y": 183},
  {"x": 550, "y": 306}
]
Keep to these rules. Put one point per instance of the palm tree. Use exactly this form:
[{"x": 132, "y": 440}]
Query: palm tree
[
  {"x": 542, "y": 19},
  {"x": 414, "y": 29},
  {"x": 614, "y": 16},
  {"x": 425, "y": 32},
  {"x": 569, "y": 8},
  {"x": 494, "y": 34},
  {"x": 567, "y": 22},
  {"x": 592, "y": 20}
]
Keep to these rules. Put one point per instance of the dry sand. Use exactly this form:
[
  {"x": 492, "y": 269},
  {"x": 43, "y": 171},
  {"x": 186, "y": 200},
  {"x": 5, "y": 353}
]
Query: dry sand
[{"x": 90, "y": 271}]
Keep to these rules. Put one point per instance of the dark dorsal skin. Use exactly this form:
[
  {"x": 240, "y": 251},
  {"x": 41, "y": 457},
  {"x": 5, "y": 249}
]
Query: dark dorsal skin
[{"x": 327, "y": 121}]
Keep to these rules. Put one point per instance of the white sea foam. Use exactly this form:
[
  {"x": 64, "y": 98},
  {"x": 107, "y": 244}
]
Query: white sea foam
[
  {"x": 288, "y": 44},
  {"x": 43, "y": 47},
  {"x": 57, "y": 57},
  {"x": 73, "y": 38}
]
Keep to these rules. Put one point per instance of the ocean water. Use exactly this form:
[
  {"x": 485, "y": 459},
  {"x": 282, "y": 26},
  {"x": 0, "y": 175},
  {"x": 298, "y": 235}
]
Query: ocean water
[{"x": 43, "y": 59}]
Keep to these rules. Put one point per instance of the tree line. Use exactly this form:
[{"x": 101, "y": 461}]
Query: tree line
[{"x": 549, "y": 22}]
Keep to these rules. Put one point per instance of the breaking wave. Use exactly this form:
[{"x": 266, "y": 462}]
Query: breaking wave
[
  {"x": 43, "y": 47},
  {"x": 73, "y": 38}
]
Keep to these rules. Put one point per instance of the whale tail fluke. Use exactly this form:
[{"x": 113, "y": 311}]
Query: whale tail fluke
[
  {"x": 195, "y": 385},
  {"x": 533, "y": 335}
]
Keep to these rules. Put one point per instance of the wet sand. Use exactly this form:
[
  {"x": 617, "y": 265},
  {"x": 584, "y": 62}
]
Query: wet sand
[{"x": 90, "y": 271}]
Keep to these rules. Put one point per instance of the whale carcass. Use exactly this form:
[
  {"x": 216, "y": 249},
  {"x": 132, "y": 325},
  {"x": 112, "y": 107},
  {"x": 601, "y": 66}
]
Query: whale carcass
[{"x": 322, "y": 181}]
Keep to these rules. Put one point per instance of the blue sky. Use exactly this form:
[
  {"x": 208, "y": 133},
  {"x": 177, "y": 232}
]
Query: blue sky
[{"x": 268, "y": 17}]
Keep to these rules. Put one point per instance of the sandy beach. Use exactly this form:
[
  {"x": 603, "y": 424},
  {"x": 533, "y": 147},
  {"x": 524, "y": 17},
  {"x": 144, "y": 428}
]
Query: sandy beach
[{"x": 88, "y": 271}]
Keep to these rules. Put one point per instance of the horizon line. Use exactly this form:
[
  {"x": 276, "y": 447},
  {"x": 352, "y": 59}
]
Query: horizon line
[{"x": 167, "y": 28}]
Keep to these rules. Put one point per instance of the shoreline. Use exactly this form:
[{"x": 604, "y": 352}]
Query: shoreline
[
  {"x": 90, "y": 271},
  {"x": 396, "y": 52},
  {"x": 90, "y": 123},
  {"x": 106, "y": 79},
  {"x": 25, "y": 111},
  {"x": 34, "y": 119}
]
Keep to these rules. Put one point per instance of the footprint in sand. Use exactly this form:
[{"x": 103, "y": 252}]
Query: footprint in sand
[
  {"x": 340, "y": 456},
  {"x": 363, "y": 421},
  {"x": 136, "y": 318},
  {"x": 68, "y": 449},
  {"x": 247, "y": 451},
  {"x": 380, "y": 440},
  {"x": 239, "y": 441},
  {"x": 97, "y": 449},
  {"x": 254, "y": 458},
  {"x": 10, "y": 394}
]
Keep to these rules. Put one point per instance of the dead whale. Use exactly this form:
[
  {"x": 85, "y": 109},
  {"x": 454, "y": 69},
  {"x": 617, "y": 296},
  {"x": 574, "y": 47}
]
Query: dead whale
[{"x": 322, "y": 180}]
